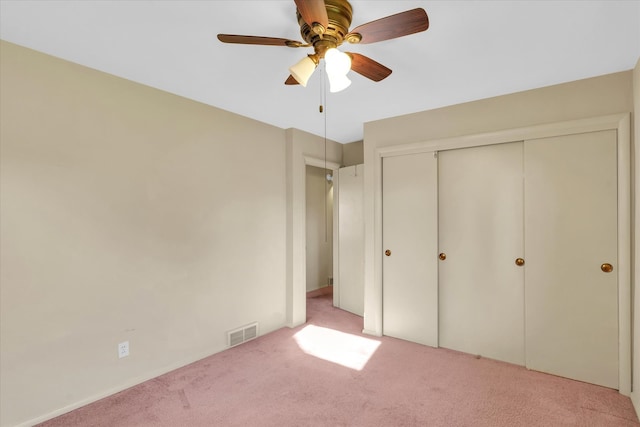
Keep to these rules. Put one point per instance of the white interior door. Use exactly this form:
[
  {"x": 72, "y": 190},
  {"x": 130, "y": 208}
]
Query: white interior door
[
  {"x": 351, "y": 242},
  {"x": 410, "y": 224},
  {"x": 571, "y": 230},
  {"x": 481, "y": 289}
]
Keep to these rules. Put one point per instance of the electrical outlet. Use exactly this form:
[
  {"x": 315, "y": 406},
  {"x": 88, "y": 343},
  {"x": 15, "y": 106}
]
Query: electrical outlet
[{"x": 123, "y": 349}]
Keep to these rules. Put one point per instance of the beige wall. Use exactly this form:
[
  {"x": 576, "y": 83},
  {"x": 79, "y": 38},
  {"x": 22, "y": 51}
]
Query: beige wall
[
  {"x": 127, "y": 214},
  {"x": 353, "y": 153},
  {"x": 604, "y": 95},
  {"x": 319, "y": 228},
  {"x": 597, "y": 96}
]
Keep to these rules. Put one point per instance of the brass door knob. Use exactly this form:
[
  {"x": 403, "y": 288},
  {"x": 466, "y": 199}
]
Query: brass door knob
[
  {"x": 606, "y": 267},
  {"x": 442, "y": 256},
  {"x": 519, "y": 262},
  {"x": 387, "y": 252}
]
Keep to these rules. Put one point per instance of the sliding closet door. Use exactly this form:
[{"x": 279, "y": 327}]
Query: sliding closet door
[
  {"x": 571, "y": 242},
  {"x": 410, "y": 242},
  {"x": 481, "y": 236}
]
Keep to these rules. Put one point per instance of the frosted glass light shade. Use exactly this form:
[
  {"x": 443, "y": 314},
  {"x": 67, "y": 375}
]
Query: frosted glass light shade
[
  {"x": 303, "y": 70},
  {"x": 337, "y": 63},
  {"x": 338, "y": 83}
]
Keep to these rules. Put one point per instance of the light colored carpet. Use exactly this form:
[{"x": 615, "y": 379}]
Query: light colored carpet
[{"x": 326, "y": 373}]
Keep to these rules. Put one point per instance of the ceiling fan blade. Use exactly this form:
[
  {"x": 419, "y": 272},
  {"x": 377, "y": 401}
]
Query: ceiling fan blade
[
  {"x": 368, "y": 67},
  {"x": 313, "y": 11},
  {"x": 393, "y": 26},
  {"x": 265, "y": 41},
  {"x": 291, "y": 81}
]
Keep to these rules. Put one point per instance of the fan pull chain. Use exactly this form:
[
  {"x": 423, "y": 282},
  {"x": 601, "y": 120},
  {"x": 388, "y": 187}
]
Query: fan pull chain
[{"x": 326, "y": 183}]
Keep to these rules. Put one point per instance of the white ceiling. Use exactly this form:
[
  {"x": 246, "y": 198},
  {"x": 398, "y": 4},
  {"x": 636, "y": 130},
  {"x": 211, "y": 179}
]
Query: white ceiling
[{"x": 472, "y": 50}]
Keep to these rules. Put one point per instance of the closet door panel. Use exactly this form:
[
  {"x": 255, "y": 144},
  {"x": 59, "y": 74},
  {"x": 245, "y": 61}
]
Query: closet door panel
[
  {"x": 351, "y": 242},
  {"x": 571, "y": 230},
  {"x": 410, "y": 226},
  {"x": 481, "y": 234}
]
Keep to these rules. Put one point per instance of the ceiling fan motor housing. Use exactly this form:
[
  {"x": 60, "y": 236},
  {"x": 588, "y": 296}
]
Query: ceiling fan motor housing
[{"x": 340, "y": 14}]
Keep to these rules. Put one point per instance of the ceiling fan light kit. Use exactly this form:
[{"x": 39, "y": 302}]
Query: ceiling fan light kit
[
  {"x": 303, "y": 69},
  {"x": 324, "y": 25}
]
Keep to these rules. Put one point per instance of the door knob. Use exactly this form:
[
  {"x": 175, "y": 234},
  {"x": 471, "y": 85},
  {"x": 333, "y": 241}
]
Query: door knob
[
  {"x": 519, "y": 262},
  {"x": 442, "y": 256},
  {"x": 606, "y": 267},
  {"x": 387, "y": 252}
]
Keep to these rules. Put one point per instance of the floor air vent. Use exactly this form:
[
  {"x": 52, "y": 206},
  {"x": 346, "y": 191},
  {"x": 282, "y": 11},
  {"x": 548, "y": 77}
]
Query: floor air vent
[{"x": 243, "y": 334}]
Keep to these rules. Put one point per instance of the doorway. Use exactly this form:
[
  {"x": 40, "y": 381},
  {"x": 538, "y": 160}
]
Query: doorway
[{"x": 319, "y": 192}]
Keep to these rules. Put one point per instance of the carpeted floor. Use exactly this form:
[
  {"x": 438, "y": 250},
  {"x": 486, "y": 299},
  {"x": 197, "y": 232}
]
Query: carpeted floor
[{"x": 326, "y": 373}]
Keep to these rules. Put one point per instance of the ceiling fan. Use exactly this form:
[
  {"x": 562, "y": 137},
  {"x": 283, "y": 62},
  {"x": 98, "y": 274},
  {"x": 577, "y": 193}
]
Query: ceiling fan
[{"x": 324, "y": 25}]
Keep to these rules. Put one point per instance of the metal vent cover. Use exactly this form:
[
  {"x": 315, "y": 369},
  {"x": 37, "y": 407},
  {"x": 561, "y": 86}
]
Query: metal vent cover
[{"x": 242, "y": 334}]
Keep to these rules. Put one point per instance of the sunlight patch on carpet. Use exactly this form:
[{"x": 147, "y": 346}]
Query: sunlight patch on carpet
[{"x": 347, "y": 350}]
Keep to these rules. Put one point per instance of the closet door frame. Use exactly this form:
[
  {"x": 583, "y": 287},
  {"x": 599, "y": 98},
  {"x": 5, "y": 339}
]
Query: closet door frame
[{"x": 621, "y": 123}]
